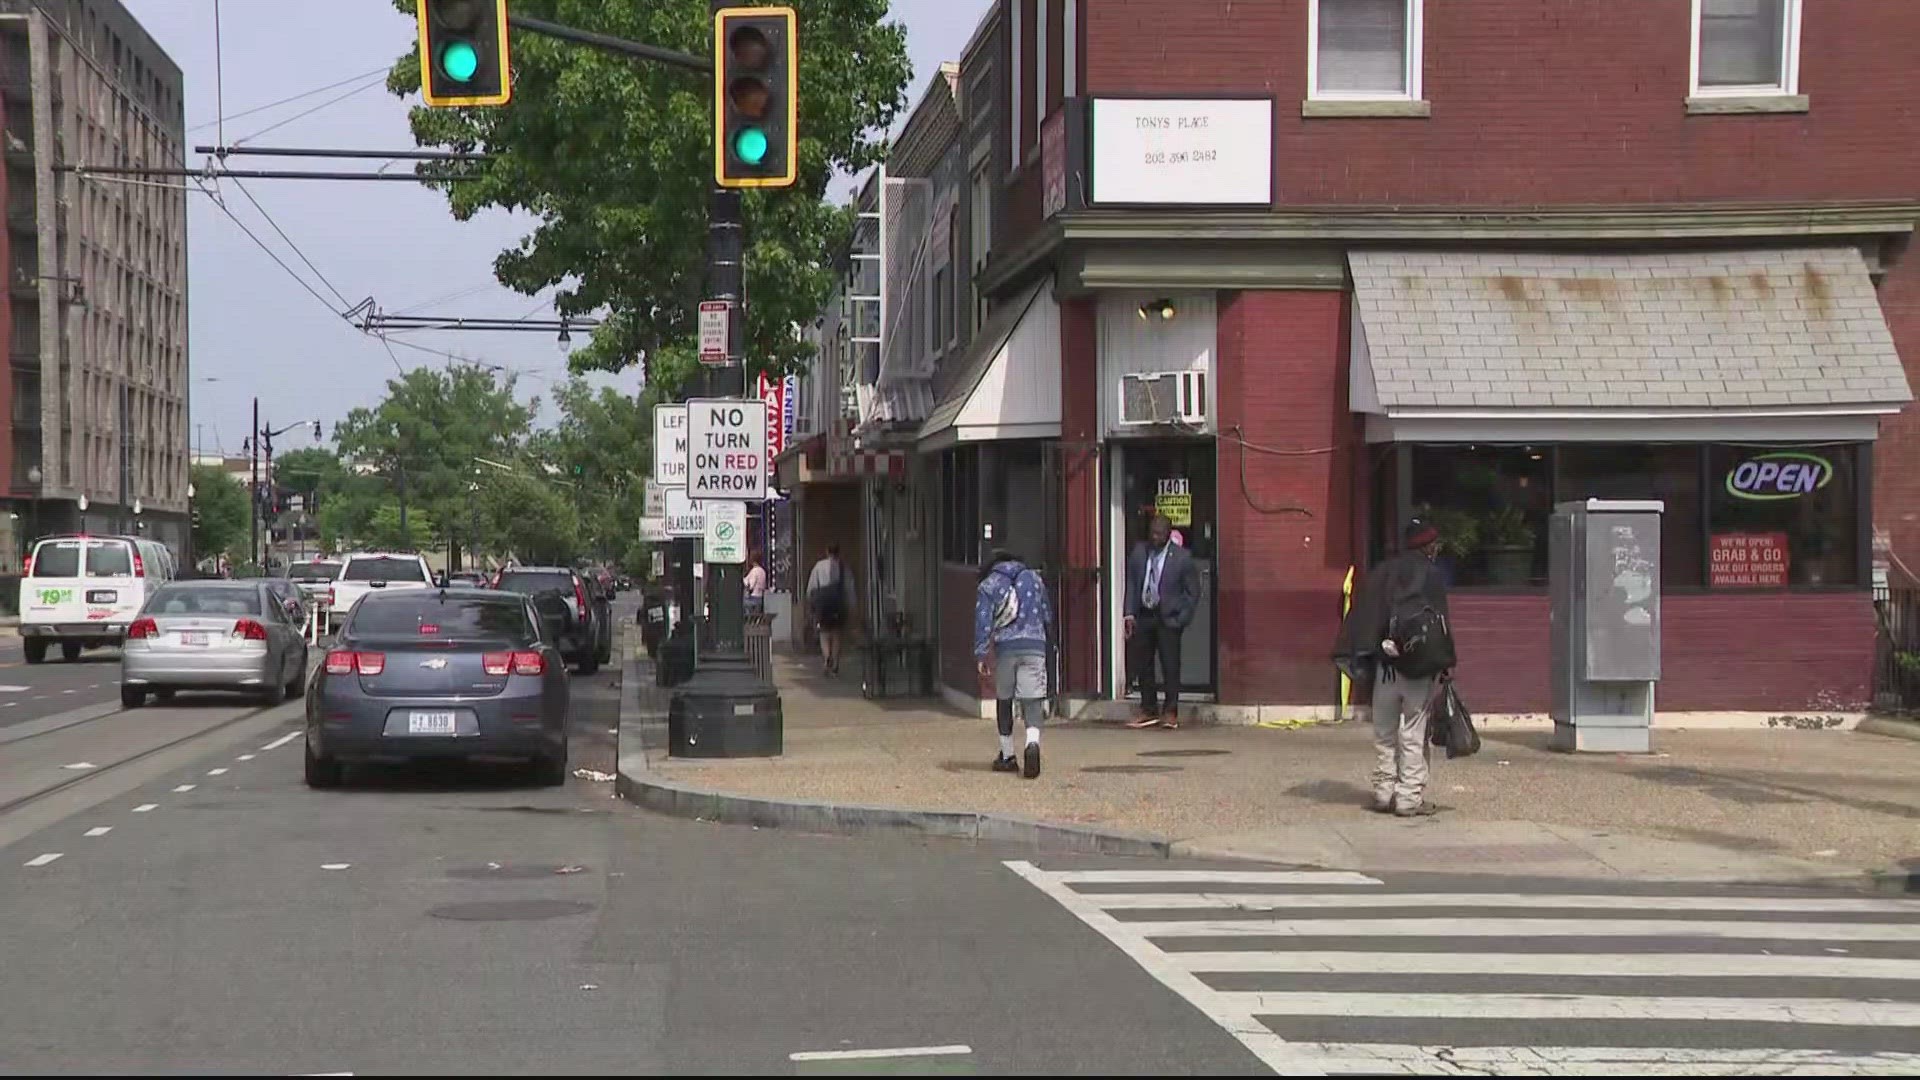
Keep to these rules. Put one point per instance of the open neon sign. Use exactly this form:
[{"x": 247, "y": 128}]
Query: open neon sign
[{"x": 1784, "y": 474}]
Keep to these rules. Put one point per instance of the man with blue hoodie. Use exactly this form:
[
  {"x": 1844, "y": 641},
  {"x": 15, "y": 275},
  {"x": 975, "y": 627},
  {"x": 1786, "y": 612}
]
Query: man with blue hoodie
[{"x": 1011, "y": 615}]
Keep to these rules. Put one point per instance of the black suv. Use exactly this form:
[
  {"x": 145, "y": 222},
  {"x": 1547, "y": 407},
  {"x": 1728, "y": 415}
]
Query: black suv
[{"x": 576, "y": 609}]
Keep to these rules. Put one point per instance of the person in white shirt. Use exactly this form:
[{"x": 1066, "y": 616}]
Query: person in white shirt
[
  {"x": 830, "y": 599},
  {"x": 755, "y": 585}
]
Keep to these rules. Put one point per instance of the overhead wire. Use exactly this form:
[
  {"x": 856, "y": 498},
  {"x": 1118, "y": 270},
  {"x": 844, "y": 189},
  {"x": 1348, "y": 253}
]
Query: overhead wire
[
  {"x": 271, "y": 254},
  {"x": 344, "y": 302},
  {"x": 301, "y": 96},
  {"x": 277, "y": 125}
]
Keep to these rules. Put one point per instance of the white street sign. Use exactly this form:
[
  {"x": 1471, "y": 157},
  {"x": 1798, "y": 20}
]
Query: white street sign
[
  {"x": 726, "y": 532},
  {"x": 653, "y": 529},
  {"x": 670, "y": 445},
  {"x": 727, "y": 449},
  {"x": 656, "y": 500},
  {"x": 714, "y": 330},
  {"x": 684, "y": 516}
]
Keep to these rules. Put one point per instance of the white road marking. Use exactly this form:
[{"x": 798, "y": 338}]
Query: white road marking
[
  {"x": 1520, "y": 927},
  {"x": 335, "y": 865},
  {"x": 146, "y": 808},
  {"x": 184, "y": 788},
  {"x": 244, "y": 757},
  {"x": 13, "y": 704},
  {"x": 1281, "y": 901},
  {"x": 12, "y": 689},
  {"x": 42, "y": 860},
  {"x": 217, "y": 772},
  {"x": 1375, "y": 1058},
  {"x": 81, "y": 765},
  {"x": 72, "y": 691},
  {"x": 1229, "y": 877},
  {"x": 93, "y": 686},
  {"x": 1402, "y": 1005},
  {"x": 861, "y": 1055},
  {"x": 1259, "y": 1039},
  {"x": 100, "y": 830},
  {"x": 1634, "y": 965},
  {"x": 283, "y": 740}
]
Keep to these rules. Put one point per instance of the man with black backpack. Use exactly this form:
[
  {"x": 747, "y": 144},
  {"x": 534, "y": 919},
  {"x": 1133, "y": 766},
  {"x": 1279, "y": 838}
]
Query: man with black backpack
[
  {"x": 1397, "y": 637},
  {"x": 1011, "y": 616}
]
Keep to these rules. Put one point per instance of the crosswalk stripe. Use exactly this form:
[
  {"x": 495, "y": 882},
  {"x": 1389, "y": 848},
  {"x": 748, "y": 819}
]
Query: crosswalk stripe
[
  {"x": 1636, "y": 965},
  {"x": 1225, "y": 877},
  {"x": 1603, "y": 1060},
  {"x": 1518, "y": 927},
  {"x": 1576, "y": 1007},
  {"x": 1281, "y": 901}
]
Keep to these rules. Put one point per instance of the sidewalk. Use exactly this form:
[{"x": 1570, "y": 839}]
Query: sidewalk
[{"x": 1774, "y": 805}]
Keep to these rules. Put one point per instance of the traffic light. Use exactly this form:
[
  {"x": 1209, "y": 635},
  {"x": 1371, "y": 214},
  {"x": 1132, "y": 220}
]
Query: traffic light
[
  {"x": 463, "y": 52},
  {"x": 756, "y": 85}
]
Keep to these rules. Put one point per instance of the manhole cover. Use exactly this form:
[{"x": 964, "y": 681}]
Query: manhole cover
[
  {"x": 1194, "y": 752},
  {"x": 514, "y": 871},
  {"x": 1131, "y": 769},
  {"x": 509, "y": 910}
]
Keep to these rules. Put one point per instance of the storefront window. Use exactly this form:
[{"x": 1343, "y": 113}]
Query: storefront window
[
  {"x": 1637, "y": 471},
  {"x": 1783, "y": 516},
  {"x": 1491, "y": 505},
  {"x": 960, "y": 505}
]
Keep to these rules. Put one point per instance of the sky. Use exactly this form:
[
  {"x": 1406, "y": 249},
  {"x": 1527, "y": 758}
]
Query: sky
[{"x": 253, "y": 329}]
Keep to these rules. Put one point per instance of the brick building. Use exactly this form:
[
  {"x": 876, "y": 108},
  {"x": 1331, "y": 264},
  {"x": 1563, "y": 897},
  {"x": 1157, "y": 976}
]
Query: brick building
[{"x": 1295, "y": 270}]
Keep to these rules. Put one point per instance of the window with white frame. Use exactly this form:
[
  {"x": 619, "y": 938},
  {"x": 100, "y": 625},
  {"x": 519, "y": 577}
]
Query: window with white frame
[
  {"x": 1746, "y": 46},
  {"x": 1364, "y": 49}
]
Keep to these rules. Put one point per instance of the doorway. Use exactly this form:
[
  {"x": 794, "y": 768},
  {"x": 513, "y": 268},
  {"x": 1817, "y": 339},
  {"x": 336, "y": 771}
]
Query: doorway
[{"x": 1176, "y": 479}]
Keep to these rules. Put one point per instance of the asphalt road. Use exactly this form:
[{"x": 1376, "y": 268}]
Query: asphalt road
[
  {"x": 198, "y": 910},
  {"x": 28, "y": 693}
]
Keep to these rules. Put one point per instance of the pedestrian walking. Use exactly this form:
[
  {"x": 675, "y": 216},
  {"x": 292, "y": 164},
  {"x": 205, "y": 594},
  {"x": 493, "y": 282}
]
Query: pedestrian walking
[
  {"x": 754, "y": 585},
  {"x": 1163, "y": 589},
  {"x": 1397, "y": 638},
  {"x": 830, "y": 600},
  {"x": 1011, "y": 616}
]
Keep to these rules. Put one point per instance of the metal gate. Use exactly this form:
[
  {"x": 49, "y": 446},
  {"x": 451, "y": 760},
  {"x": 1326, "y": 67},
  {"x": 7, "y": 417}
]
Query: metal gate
[{"x": 1071, "y": 564}]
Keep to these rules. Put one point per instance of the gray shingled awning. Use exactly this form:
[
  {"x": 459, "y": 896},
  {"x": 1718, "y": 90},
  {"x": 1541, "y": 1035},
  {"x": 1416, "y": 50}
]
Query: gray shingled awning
[{"x": 1753, "y": 343}]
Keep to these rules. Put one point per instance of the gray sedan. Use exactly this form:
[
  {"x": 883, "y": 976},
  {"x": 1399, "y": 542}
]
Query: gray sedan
[{"x": 214, "y": 635}]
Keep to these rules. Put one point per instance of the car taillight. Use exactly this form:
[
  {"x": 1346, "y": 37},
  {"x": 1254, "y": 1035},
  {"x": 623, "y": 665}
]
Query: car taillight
[
  {"x": 139, "y": 565},
  {"x": 497, "y": 663},
  {"x": 529, "y": 663},
  {"x": 143, "y": 628},
  {"x": 250, "y": 629},
  {"x": 346, "y": 662},
  {"x": 329, "y": 596},
  {"x": 580, "y": 598}
]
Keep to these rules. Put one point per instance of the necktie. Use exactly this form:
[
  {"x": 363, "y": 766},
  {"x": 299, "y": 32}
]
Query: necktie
[{"x": 1150, "y": 596}]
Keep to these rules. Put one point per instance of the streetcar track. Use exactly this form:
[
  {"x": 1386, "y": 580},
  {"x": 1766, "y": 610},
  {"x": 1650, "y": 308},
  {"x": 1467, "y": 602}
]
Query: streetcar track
[{"x": 14, "y": 804}]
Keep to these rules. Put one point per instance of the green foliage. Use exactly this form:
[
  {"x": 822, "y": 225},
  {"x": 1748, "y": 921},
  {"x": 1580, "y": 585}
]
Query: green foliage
[
  {"x": 615, "y": 159},
  {"x": 529, "y": 518},
  {"x": 383, "y": 531},
  {"x": 220, "y": 502},
  {"x": 1506, "y": 527},
  {"x": 602, "y": 443}
]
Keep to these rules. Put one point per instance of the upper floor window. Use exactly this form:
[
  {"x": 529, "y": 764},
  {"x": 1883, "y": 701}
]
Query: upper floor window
[
  {"x": 1364, "y": 49},
  {"x": 1746, "y": 47}
]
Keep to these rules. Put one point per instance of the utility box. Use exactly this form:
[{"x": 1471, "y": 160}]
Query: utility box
[{"x": 1605, "y": 579}]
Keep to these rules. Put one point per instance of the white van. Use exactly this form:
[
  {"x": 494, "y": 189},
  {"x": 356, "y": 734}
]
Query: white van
[{"x": 81, "y": 592}]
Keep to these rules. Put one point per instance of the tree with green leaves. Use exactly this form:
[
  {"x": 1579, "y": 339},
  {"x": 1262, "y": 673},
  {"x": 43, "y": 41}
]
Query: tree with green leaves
[
  {"x": 615, "y": 158},
  {"x": 383, "y": 531},
  {"x": 528, "y": 518},
  {"x": 220, "y": 515},
  {"x": 601, "y": 444}
]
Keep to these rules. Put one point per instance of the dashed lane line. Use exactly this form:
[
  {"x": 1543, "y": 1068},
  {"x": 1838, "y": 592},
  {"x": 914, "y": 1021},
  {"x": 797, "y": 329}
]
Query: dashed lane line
[
  {"x": 244, "y": 757},
  {"x": 217, "y": 772},
  {"x": 184, "y": 788},
  {"x": 100, "y": 830},
  {"x": 283, "y": 740},
  {"x": 42, "y": 860},
  {"x": 146, "y": 808},
  {"x": 897, "y": 1052}
]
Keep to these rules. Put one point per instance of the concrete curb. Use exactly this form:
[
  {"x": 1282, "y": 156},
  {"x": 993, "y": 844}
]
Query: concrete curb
[{"x": 1891, "y": 727}]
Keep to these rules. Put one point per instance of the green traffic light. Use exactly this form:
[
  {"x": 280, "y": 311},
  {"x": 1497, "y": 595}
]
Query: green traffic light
[
  {"x": 750, "y": 145},
  {"x": 459, "y": 61}
]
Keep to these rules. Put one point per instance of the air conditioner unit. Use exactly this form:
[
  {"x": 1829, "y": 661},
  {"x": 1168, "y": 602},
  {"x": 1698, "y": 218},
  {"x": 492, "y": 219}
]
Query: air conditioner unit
[{"x": 1163, "y": 397}]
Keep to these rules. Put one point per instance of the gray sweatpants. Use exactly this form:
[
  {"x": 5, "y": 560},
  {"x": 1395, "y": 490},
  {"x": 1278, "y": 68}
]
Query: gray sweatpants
[
  {"x": 1020, "y": 677},
  {"x": 1400, "y": 741}
]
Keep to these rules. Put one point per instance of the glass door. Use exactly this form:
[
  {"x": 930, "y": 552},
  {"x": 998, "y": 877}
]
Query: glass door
[{"x": 1177, "y": 479}]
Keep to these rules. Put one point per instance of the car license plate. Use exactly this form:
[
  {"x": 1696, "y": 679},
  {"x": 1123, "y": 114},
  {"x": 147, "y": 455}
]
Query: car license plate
[
  {"x": 193, "y": 637},
  {"x": 430, "y": 723},
  {"x": 102, "y": 596}
]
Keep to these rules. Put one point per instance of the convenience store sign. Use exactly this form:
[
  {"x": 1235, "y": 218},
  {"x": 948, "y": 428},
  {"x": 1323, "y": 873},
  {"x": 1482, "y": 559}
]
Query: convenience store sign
[{"x": 1780, "y": 475}]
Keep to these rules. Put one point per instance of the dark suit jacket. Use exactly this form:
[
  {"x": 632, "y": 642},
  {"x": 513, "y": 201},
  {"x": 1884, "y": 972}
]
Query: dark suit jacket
[{"x": 1179, "y": 584}]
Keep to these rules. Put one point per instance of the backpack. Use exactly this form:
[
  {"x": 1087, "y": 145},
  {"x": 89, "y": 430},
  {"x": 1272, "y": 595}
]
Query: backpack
[
  {"x": 1426, "y": 644},
  {"x": 1007, "y": 611}
]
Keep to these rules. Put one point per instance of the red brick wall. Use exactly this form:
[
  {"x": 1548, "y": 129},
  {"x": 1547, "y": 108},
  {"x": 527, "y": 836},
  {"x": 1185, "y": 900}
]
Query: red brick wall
[
  {"x": 1896, "y": 458},
  {"x": 1282, "y": 384},
  {"x": 958, "y": 585},
  {"x": 1777, "y": 653},
  {"x": 1543, "y": 101},
  {"x": 1080, "y": 594}
]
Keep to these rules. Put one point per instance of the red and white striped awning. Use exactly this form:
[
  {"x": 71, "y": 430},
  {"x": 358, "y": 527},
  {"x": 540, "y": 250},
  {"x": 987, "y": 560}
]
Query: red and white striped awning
[{"x": 864, "y": 463}]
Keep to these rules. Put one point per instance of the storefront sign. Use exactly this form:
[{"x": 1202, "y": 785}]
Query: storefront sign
[
  {"x": 1749, "y": 561},
  {"x": 727, "y": 449},
  {"x": 670, "y": 445},
  {"x": 1784, "y": 474},
  {"x": 1182, "y": 152},
  {"x": 1174, "y": 501}
]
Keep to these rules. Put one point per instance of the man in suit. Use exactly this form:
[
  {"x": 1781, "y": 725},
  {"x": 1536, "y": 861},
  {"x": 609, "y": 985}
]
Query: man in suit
[{"x": 1163, "y": 588}]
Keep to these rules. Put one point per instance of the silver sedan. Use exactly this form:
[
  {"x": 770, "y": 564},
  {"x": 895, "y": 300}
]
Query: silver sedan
[{"x": 214, "y": 635}]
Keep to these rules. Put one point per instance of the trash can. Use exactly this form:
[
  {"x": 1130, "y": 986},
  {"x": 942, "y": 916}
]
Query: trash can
[
  {"x": 759, "y": 640},
  {"x": 652, "y": 618}
]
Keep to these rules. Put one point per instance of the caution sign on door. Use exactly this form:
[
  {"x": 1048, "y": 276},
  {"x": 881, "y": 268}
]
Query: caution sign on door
[{"x": 1173, "y": 501}]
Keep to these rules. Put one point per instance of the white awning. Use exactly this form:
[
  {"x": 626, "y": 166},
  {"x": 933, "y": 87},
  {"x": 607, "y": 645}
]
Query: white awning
[{"x": 1007, "y": 384}]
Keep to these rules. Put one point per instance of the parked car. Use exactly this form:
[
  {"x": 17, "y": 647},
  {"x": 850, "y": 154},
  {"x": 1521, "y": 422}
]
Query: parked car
[
  {"x": 216, "y": 635},
  {"x": 467, "y": 579},
  {"x": 586, "y": 631},
  {"x": 314, "y": 576},
  {"x": 367, "y": 571},
  {"x": 459, "y": 673},
  {"x": 82, "y": 592}
]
